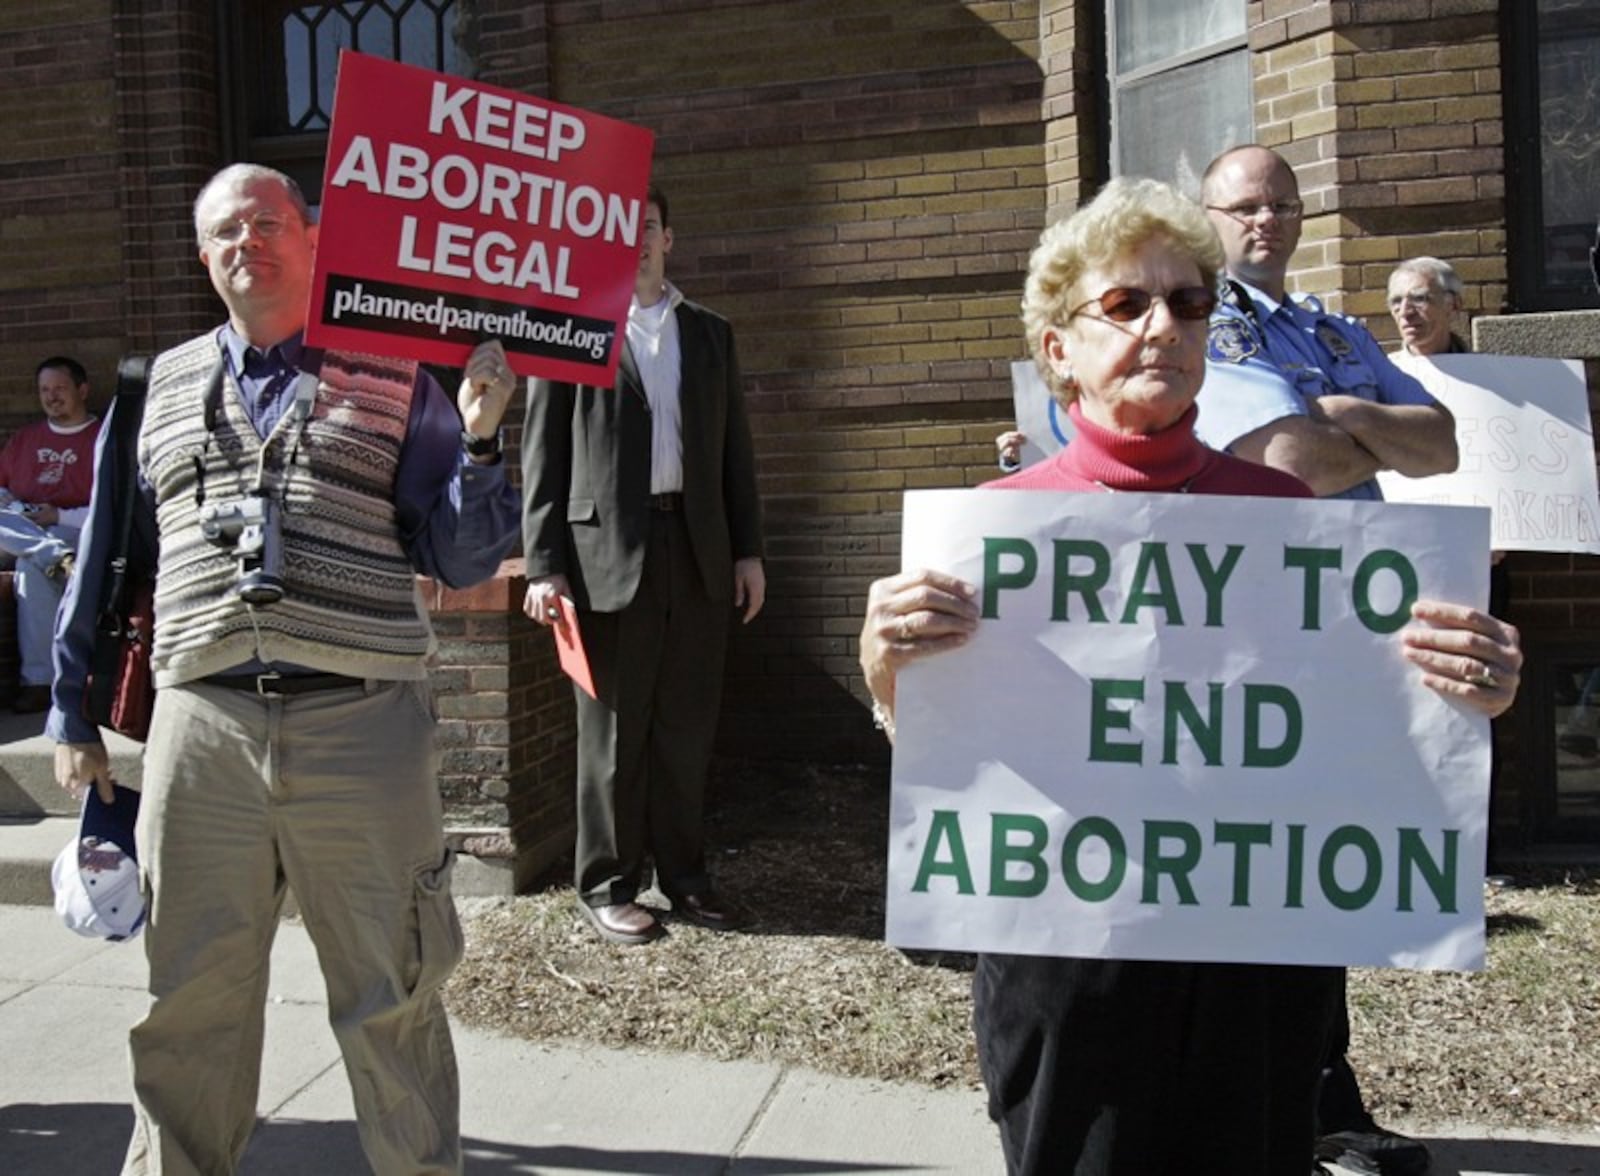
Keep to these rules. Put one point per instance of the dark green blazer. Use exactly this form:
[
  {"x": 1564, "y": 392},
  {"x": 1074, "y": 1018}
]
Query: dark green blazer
[{"x": 586, "y": 471}]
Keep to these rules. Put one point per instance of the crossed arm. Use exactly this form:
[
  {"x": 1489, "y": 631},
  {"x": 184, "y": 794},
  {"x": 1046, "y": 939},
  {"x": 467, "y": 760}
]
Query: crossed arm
[{"x": 1345, "y": 440}]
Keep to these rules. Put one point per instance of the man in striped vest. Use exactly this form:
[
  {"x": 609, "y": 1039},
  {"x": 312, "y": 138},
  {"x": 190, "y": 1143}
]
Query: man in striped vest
[{"x": 293, "y": 496}]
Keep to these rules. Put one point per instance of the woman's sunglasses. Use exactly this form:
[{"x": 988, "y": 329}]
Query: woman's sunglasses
[{"x": 1124, "y": 304}]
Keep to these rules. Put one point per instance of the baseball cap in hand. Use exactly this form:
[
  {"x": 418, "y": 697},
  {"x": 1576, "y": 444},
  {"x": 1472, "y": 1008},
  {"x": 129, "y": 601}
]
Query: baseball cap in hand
[{"x": 96, "y": 876}]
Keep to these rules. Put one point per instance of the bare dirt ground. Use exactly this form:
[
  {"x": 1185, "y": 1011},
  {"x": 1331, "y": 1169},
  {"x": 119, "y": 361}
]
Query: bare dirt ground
[{"x": 811, "y": 982}]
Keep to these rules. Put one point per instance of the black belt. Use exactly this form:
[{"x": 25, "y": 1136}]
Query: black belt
[
  {"x": 672, "y": 501},
  {"x": 274, "y": 685}
]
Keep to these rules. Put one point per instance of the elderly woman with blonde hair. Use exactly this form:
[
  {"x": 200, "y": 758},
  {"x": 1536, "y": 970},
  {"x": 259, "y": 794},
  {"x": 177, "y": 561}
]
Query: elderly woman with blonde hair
[{"x": 1130, "y": 1066}]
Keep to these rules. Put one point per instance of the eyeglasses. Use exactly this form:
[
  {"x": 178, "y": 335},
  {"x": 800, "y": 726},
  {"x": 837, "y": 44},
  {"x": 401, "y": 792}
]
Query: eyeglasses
[
  {"x": 1126, "y": 304},
  {"x": 265, "y": 225},
  {"x": 1282, "y": 209},
  {"x": 1414, "y": 301}
]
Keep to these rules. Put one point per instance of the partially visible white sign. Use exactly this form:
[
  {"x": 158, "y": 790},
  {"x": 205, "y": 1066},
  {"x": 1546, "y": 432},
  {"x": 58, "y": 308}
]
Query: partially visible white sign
[
  {"x": 1185, "y": 730},
  {"x": 1038, "y": 415},
  {"x": 1527, "y": 448}
]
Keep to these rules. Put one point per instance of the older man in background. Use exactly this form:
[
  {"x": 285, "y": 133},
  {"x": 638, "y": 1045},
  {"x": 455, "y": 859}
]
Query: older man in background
[{"x": 1424, "y": 297}]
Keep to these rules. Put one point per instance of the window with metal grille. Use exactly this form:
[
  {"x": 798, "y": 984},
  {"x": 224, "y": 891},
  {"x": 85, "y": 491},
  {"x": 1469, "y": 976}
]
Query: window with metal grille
[{"x": 285, "y": 55}]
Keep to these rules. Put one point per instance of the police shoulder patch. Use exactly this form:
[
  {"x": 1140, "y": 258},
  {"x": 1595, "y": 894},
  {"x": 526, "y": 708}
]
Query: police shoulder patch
[
  {"x": 1230, "y": 342},
  {"x": 1331, "y": 338}
]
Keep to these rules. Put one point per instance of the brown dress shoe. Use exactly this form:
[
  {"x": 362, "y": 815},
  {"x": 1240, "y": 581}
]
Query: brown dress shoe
[
  {"x": 706, "y": 909},
  {"x": 623, "y": 922}
]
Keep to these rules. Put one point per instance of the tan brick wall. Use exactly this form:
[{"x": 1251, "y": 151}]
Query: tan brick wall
[
  {"x": 1390, "y": 112},
  {"x": 860, "y": 206},
  {"x": 1071, "y": 116}
]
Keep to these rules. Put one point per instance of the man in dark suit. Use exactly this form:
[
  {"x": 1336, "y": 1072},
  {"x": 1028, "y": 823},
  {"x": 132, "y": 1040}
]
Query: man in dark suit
[{"x": 640, "y": 504}]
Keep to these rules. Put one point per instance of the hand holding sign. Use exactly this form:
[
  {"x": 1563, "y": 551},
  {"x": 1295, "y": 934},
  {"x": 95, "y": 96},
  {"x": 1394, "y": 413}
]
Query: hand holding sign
[
  {"x": 455, "y": 211},
  {"x": 486, "y": 384}
]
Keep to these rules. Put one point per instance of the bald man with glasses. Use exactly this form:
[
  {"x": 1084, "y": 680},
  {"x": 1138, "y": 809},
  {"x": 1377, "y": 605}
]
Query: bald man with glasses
[{"x": 1290, "y": 384}]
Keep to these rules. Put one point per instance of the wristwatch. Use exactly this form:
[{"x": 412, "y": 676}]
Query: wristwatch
[{"x": 480, "y": 446}]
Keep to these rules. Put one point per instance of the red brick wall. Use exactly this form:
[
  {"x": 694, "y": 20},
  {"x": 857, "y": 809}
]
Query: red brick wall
[
  {"x": 60, "y": 225},
  {"x": 506, "y": 731},
  {"x": 111, "y": 121},
  {"x": 855, "y": 186}
]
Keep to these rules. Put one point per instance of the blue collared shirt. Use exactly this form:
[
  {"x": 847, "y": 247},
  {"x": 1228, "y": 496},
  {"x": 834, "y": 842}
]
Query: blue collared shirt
[
  {"x": 1266, "y": 360},
  {"x": 457, "y": 519}
]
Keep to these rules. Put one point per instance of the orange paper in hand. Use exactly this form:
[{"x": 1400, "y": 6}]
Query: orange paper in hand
[{"x": 569, "y": 647}]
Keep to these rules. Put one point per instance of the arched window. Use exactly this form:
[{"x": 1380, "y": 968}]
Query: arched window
[{"x": 285, "y": 60}]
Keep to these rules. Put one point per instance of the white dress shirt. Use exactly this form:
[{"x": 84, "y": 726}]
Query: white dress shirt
[{"x": 653, "y": 337}]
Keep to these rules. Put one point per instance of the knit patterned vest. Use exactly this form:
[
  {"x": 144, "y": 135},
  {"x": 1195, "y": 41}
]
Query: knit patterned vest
[{"x": 350, "y": 603}]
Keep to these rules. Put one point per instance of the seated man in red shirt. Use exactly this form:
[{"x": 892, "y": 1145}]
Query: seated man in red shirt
[{"x": 46, "y": 474}]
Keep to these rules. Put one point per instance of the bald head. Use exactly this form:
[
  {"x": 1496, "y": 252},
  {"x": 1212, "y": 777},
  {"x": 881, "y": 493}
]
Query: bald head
[
  {"x": 1250, "y": 156},
  {"x": 1253, "y": 200}
]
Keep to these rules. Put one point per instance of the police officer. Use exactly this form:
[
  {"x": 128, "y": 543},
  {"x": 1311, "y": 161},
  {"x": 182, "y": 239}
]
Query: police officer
[
  {"x": 1290, "y": 384},
  {"x": 1293, "y": 386}
]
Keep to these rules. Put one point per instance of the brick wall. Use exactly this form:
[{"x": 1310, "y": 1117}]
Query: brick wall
[
  {"x": 855, "y": 186},
  {"x": 1390, "y": 112},
  {"x": 169, "y": 144},
  {"x": 860, "y": 205},
  {"x": 111, "y": 117},
  {"x": 1068, "y": 55},
  {"x": 60, "y": 226},
  {"x": 506, "y": 729}
]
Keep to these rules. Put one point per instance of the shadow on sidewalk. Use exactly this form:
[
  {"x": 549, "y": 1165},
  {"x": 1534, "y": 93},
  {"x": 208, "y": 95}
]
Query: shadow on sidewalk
[{"x": 88, "y": 1139}]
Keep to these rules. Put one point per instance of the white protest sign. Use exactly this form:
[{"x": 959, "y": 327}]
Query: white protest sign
[
  {"x": 1045, "y": 422},
  {"x": 1184, "y": 730},
  {"x": 1527, "y": 448}
]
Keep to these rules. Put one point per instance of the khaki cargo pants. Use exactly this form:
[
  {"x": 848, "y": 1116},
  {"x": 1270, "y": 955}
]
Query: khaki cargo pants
[{"x": 334, "y": 795}]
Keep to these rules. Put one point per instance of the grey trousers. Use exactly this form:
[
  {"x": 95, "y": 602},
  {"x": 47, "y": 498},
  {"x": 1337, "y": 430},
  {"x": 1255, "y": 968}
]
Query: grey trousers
[{"x": 335, "y": 795}]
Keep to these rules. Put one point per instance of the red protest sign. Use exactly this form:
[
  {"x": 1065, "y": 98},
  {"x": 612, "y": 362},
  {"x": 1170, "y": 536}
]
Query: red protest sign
[{"x": 453, "y": 212}]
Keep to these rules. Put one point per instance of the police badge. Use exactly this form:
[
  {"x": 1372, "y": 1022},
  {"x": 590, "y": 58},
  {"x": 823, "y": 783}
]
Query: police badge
[
  {"x": 1230, "y": 342},
  {"x": 1338, "y": 346}
]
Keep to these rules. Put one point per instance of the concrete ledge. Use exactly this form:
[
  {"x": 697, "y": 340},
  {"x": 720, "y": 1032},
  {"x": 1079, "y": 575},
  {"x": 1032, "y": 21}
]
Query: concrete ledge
[
  {"x": 27, "y": 849},
  {"x": 1571, "y": 334},
  {"x": 27, "y": 767}
]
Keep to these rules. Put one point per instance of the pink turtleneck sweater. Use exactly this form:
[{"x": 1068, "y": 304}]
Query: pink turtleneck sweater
[{"x": 1172, "y": 461}]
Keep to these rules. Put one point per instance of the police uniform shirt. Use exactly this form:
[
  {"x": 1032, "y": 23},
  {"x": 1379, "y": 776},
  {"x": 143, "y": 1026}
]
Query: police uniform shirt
[{"x": 1266, "y": 359}]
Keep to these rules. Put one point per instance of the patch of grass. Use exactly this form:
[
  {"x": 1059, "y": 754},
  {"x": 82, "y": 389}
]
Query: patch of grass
[
  {"x": 810, "y": 982},
  {"x": 1516, "y": 1044}
]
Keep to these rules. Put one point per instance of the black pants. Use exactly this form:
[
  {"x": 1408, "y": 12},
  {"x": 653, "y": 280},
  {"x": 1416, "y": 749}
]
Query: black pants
[
  {"x": 1128, "y": 1068},
  {"x": 1339, "y": 1106},
  {"x": 645, "y": 743}
]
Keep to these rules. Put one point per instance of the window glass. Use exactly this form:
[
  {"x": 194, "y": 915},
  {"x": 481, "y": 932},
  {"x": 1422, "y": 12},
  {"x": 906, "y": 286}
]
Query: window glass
[
  {"x": 1569, "y": 138},
  {"x": 1148, "y": 31},
  {"x": 1180, "y": 86},
  {"x": 1170, "y": 125},
  {"x": 286, "y": 63},
  {"x": 420, "y": 32},
  {"x": 1577, "y": 717}
]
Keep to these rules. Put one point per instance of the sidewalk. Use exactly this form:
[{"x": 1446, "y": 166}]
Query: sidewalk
[{"x": 66, "y": 1004}]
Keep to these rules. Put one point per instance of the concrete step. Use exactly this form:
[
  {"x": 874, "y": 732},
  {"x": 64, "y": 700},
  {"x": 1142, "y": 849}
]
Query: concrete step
[
  {"x": 27, "y": 768},
  {"x": 27, "y": 848}
]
